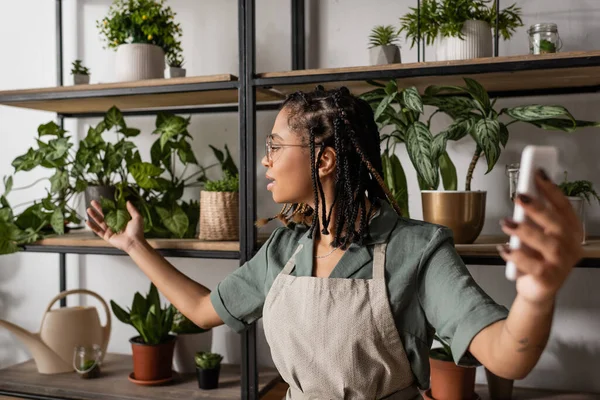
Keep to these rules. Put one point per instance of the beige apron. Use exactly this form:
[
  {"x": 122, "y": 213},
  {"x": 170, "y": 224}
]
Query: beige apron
[{"x": 335, "y": 338}]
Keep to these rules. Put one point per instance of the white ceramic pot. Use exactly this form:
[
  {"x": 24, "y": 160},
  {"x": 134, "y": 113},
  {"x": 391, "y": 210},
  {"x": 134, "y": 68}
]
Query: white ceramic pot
[
  {"x": 186, "y": 347},
  {"x": 138, "y": 61},
  {"x": 174, "y": 72},
  {"x": 477, "y": 43},
  {"x": 578, "y": 205},
  {"x": 389, "y": 54},
  {"x": 80, "y": 79}
]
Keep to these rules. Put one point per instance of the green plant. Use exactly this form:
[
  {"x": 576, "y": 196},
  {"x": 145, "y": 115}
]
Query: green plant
[
  {"x": 582, "y": 188},
  {"x": 79, "y": 69},
  {"x": 227, "y": 184},
  {"x": 183, "y": 325},
  {"x": 383, "y": 36},
  {"x": 547, "y": 46},
  {"x": 146, "y": 315},
  {"x": 175, "y": 60},
  {"x": 443, "y": 353},
  {"x": 446, "y": 18},
  {"x": 473, "y": 116},
  {"x": 207, "y": 360},
  {"x": 141, "y": 21}
]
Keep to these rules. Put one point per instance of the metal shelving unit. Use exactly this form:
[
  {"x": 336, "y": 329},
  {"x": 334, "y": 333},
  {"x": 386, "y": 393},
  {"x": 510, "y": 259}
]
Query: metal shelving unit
[{"x": 250, "y": 92}]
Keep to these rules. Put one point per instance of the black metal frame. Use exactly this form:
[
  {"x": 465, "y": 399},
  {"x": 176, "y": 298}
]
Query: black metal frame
[{"x": 247, "y": 108}]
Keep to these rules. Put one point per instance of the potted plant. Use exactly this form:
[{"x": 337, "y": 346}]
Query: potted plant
[
  {"x": 577, "y": 192},
  {"x": 474, "y": 117},
  {"x": 382, "y": 45},
  {"x": 100, "y": 165},
  {"x": 142, "y": 32},
  {"x": 81, "y": 74},
  {"x": 208, "y": 367},
  {"x": 448, "y": 380},
  {"x": 87, "y": 361},
  {"x": 153, "y": 347},
  {"x": 191, "y": 339},
  {"x": 219, "y": 202},
  {"x": 175, "y": 65},
  {"x": 463, "y": 28}
]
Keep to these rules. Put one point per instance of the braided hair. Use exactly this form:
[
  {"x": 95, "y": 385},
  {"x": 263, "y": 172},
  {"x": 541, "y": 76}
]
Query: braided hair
[{"x": 335, "y": 118}]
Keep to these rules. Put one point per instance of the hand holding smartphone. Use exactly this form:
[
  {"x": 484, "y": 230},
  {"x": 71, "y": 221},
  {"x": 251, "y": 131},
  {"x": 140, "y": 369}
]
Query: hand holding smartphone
[{"x": 533, "y": 158}]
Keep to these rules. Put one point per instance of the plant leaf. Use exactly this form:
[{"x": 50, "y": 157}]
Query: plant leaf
[
  {"x": 175, "y": 220},
  {"x": 412, "y": 99},
  {"x": 419, "y": 146},
  {"x": 563, "y": 124},
  {"x": 479, "y": 94},
  {"x": 454, "y": 106},
  {"x": 50, "y": 129},
  {"x": 459, "y": 128},
  {"x": 439, "y": 145},
  {"x": 58, "y": 221},
  {"x": 395, "y": 180},
  {"x": 144, "y": 174},
  {"x": 117, "y": 220},
  {"x": 503, "y": 134},
  {"x": 59, "y": 181},
  {"x": 129, "y": 132},
  {"x": 121, "y": 314},
  {"x": 8, "y": 184},
  {"x": 384, "y": 104},
  {"x": 538, "y": 112},
  {"x": 486, "y": 135},
  {"x": 448, "y": 172},
  {"x": 8, "y": 247},
  {"x": 114, "y": 117},
  {"x": 139, "y": 305}
]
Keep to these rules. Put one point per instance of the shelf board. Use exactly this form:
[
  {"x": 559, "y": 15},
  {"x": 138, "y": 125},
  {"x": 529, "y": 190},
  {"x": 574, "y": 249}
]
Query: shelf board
[
  {"x": 153, "y": 94},
  {"x": 483, "y": 251},
  {"x": 570, "y": 72},
  {"x": 113, "y": 383},
  {"x": 88, "y": 243}
]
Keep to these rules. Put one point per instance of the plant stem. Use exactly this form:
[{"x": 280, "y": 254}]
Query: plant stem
[
  {"x": 430, "y": 117},
  {"x": 511, "y": 122},
  {"x": 476, "y": 156},
  {"x": 28, "y": 186}
]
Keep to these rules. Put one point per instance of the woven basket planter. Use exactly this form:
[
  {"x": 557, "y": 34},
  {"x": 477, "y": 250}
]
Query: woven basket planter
[{"x": 219, "y": 215}]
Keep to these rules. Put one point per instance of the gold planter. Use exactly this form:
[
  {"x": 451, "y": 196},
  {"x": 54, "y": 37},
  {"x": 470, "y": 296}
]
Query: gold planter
[{"x": 463, "y": 212}]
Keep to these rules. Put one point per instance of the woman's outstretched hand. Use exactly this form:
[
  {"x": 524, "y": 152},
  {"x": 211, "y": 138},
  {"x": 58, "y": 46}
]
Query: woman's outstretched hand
[
  {"x": 125, "y": 240},
  {"x": 553, "y": 242}
]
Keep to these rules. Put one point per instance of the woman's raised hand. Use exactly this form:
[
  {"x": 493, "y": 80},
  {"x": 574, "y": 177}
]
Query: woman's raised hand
[{"x": 132, "y": 234}]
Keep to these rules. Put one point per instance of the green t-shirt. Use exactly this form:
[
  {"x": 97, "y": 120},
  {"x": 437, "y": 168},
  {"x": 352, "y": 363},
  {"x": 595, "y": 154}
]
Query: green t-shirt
[{"x": 429, "y": 287}]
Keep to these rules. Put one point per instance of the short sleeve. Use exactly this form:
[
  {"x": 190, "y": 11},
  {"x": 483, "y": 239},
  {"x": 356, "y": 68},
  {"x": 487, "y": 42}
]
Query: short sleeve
[
  {"x": 238, "y": 299},
  {"x": 456, "y": 307}
]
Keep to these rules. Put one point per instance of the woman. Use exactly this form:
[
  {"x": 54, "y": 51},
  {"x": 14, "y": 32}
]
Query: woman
[{"x": 350, "y": 292}]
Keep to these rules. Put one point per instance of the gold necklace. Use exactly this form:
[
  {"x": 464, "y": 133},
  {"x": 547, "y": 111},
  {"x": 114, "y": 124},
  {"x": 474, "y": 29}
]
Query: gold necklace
[{"x": 328, "y": 254}]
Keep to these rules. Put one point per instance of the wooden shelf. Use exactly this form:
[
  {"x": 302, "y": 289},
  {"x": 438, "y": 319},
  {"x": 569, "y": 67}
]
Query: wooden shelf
[
  {"x": 151, "y": 94},
  {"x": 484, "y": 252},
  {"x": 113, "y": 383},
  {"x": 86, "y": 242},
  {"x": 570, "y": 72}
]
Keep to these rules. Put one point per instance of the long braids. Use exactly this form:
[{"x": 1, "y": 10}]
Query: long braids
[{"x": 337, "y": 119}]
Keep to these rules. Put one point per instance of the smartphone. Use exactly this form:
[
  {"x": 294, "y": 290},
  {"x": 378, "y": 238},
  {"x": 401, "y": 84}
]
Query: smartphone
[{"x": 532, "y": 159}]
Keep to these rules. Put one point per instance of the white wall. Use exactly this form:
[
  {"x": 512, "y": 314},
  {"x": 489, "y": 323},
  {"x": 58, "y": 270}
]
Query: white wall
[{"x": 336, "y": 33}]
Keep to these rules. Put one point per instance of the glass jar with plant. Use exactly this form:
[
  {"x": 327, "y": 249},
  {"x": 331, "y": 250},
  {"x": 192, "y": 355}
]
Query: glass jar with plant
[
  {"x": 81, "y": 74},
  {"x": 154, "y": 343},
  {"x": 462, "y": 27},
  {"x": 142, "y": 32},
  {"x": 382, "y": 45},
  {"x": 208, "y": 368},
  {"x": 474, "y": 116},
  {"x": 579, "y": 192}
]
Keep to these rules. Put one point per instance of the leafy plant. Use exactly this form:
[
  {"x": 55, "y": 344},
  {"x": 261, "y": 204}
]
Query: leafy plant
[
  {"x": 102, "y": 163},
  {"x": 207, "y": 360},
  {"x": 175, "y": 60},
  {"x": 547, "y": 46},
  {"x": 183, "y": 325},
  {"x": 147, "y": 316},
  {"x": 383, "y": 35},
  {"x": 582, "y": 188},
  {"x": 447, "y": 17},
  {"x": 227, "y": 184},
  {"x": 141, "y": 21},
  {"x": 473, "y": 115},
  {"x": 443, "y": 353},
  {"x": 79, "y": 69}
]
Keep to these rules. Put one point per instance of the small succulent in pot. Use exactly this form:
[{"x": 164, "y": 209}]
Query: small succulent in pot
[
  {"x": 382, "y": 45},
  {"x": 81, "y": 74},
  {"x": 208, "y": 367},
  {"x": 175, "y": 63}
]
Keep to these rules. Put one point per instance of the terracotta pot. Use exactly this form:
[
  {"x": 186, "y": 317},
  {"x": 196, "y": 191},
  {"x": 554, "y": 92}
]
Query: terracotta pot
[
  {"x": 463, "y": 212},
  {"x": 208, "y": 378},
  {"x": 499, "y": 388},
  {"x": 451, "y": 382},
  {"x": 152, "y": 362}
]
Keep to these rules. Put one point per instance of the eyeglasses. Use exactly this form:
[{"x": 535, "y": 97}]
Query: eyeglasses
[{"x": 271, "y": 149}]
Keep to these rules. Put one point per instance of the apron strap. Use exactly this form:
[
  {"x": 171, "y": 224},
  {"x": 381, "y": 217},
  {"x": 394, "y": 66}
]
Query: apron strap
[
  {"x": 289, "y": 266},
  {"x": 379, "y": 261}
]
